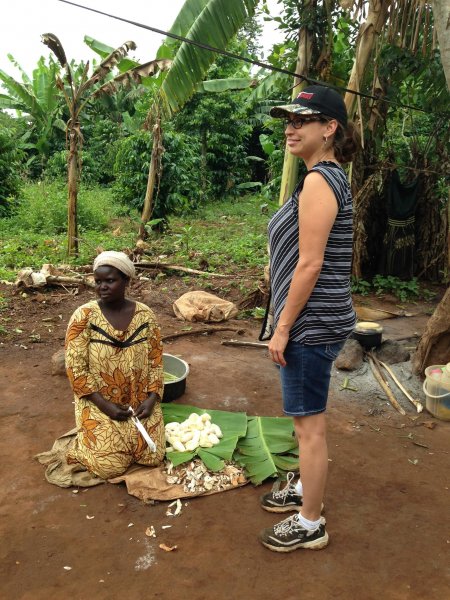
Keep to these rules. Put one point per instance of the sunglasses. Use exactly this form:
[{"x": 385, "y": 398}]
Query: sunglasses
[{"x": 298, "y": 122}]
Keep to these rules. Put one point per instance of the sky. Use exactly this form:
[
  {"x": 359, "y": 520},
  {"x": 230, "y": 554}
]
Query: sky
[{"x": 23, "y": 22}]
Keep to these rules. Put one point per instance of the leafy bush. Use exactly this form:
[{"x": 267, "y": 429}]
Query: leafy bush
[
  {"x": 43, "y": 208},
  {"x": 404, "y": 290},
  {"x": 180, "y": 186},
  {"x": 218, "y": 123},
  {"x": 10, "y": 161}
]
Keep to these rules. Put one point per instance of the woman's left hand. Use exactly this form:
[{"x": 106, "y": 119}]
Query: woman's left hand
[
  {"x": 145, "y": 409},
  {"x": 277, "y": 346}
]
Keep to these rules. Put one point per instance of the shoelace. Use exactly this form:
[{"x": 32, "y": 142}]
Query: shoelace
[
  {"x": 288, "y": 488},
  {"x": 287, "y": 526}
]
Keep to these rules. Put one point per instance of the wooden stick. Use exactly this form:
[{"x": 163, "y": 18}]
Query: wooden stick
[
  {"x": 204, "y": 330},
  {"x": 416, "y": 403},
  {"x": 60, "y": 279},
  {"x": 384, "y": 385},
  {"x": 164, "y": 267},
  {"x": 248, "y": 344}
]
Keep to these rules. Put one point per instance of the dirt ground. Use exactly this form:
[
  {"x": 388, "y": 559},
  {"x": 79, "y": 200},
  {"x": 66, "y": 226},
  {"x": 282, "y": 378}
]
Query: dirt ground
[{"x": 387, "y": 502}]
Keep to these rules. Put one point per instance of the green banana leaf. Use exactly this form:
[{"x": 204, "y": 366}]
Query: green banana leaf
[
  {"x": 216, "y": 24},
  {"x": 268, "y": 448},
  {"x": 225, "y": 85},
  {"x": 232, "y": 424}
]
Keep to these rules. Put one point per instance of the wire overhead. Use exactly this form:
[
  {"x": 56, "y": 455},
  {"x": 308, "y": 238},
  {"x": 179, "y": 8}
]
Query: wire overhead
[{"x": 244, "y": 58}]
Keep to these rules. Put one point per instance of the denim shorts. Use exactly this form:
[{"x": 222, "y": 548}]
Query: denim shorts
[{"x": 306, "y": 377}]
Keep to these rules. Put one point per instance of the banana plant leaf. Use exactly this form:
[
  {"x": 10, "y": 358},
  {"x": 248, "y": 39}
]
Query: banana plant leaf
[
  {"x": 232, "y": 424},
  {"x": 216, "y": 24},
  {"x": 225, "y": 85},
  {"x": 268, "y": 448}
]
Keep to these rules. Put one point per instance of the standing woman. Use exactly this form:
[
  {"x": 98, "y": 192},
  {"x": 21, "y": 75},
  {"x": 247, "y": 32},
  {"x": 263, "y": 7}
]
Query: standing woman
[
  {"x": 310, "y": 241},
  {"x": 114, "y": 363}
]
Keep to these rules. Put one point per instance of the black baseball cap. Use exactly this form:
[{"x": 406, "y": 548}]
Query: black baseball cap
[{"x": 314, "y": 100}]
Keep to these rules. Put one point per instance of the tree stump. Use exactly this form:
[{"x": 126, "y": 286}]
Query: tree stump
[{"x": 434, "y": 345}]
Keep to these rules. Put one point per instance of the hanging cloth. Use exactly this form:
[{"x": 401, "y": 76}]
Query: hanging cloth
[{"x": 399, "y": 239}]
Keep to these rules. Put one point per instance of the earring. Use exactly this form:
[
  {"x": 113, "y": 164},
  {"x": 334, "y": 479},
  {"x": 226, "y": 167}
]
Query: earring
[{"x": 325, "y": 140}]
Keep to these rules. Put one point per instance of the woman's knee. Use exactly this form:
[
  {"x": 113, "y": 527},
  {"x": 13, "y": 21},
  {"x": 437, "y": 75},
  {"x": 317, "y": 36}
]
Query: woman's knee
[{"x": 311, "y": 427}]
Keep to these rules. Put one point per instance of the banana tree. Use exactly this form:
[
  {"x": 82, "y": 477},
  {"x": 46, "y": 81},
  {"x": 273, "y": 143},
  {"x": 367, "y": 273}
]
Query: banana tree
[
  {"x": 77, "y": 94},
  {"x": 212, "y": 22},
  {"x": 38, "y": 101}
]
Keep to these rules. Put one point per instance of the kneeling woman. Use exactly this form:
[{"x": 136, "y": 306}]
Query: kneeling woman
[{"x": 114, "y": 362}]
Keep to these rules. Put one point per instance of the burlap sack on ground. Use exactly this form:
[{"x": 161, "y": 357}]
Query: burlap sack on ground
[
  {"x": 150, "y": 483},
  {"x": 204, "y": 307}
]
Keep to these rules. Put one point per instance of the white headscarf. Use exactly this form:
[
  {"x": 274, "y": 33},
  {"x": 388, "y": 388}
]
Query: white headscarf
[{"x": 119, "y": 260}]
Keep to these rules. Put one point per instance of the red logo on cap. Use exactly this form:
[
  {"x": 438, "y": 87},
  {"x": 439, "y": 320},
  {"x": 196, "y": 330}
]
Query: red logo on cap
[{"x": 305, "y": 95}]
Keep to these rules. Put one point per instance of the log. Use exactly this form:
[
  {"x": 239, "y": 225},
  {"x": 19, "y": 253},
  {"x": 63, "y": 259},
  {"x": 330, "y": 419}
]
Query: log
[
  {"x": 416, "y": 403},
  {"x": 203, "y": 330},
  {"x": 434, "y": 345},
  {"x": 60, "y": 279},
  {"x": 165, "y": 267},
  {"x": 247, "y": 344},
  {"x": 384, "y": 385}
]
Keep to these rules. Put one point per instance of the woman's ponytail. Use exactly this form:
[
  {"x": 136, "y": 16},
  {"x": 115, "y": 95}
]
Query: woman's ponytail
[{"x": 346, "y": 142}]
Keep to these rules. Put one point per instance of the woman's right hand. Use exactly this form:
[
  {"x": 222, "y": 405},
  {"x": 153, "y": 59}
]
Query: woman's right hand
[{"x": 117, "y": 412}]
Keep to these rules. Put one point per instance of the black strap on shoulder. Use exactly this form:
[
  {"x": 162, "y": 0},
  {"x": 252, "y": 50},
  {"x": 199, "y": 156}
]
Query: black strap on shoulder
[{"x": 112, "y": 341}]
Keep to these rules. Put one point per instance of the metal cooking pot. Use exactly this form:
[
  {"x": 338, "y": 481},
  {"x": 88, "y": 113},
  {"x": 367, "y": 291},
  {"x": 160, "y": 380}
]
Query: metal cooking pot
[
  {"x": 368, "y": 334},
  {"x": 180, "y": 369}
]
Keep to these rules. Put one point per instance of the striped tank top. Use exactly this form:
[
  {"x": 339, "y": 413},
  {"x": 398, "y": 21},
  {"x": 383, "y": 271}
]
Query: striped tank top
[{"x": 328, "y": 316}]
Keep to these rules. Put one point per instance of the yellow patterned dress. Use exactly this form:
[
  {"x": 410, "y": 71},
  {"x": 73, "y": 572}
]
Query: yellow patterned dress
[{"x": 123, "y": 366}]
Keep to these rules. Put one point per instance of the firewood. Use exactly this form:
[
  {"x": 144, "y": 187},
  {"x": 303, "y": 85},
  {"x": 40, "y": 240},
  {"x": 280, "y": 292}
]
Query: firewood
[
  {"x": 416, "y": 403},
  {"x": 165, "y": 267},
  {"x": 384, "y": 385},
  {"x": 248, "y": 344},
  {"x": 203, "y": 330}
]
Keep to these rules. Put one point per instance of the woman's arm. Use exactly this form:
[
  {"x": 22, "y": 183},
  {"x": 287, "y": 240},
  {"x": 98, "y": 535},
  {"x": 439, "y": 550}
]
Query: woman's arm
[
  {"x": 317, "y": 212},
  {"x": 155, "y": 376}
]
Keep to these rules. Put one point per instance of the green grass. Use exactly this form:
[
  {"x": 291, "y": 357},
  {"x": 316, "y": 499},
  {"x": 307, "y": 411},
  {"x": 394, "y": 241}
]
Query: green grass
[{"x": 230, "y": 235}]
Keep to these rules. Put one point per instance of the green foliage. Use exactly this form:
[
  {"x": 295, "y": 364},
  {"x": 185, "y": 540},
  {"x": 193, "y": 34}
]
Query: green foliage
[
  {"x": 42, "y": 208},
  {"x": 219, "y": 123},
  {"x": 361, "y": 286},
  {"x": 179, "y": 189},
  {"x": 39, "y": 98},
  {"x": 404, "y": 290},
  {"x": 214, "y": 234},
  {"x": 10, "y": 161}
]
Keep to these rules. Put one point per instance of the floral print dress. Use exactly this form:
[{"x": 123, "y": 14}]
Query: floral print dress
[{"x": 124, "y": 367}]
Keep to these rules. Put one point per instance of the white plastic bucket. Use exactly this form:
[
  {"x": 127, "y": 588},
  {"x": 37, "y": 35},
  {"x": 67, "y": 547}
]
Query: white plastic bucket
[{"x": 437, "y": 392}]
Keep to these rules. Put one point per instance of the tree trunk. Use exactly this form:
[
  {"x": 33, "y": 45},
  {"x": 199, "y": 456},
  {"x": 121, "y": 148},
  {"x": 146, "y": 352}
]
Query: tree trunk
[
  {"x": 152, "y": 177},
  {"x": 441, "y": 13},
  {"x": 376, "y": 18},
  {"x": 72, "y": 184},
  {"x": 290, "y": 166},
  {"x": 434, "y": 345}
]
